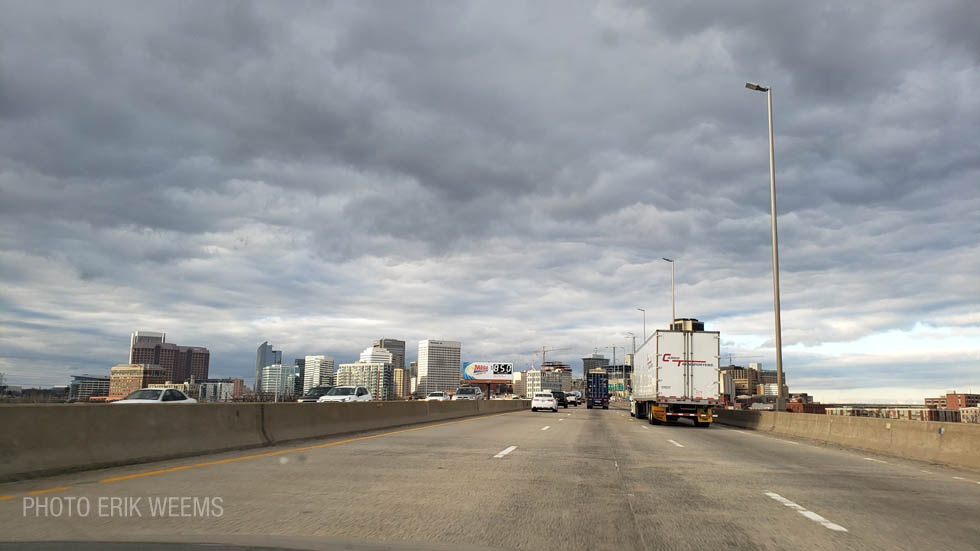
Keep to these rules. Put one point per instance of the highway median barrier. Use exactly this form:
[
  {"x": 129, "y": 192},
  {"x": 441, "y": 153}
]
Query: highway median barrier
[
  {"x": 43, "y": 440},
  {"x": 953, "y": 444}
]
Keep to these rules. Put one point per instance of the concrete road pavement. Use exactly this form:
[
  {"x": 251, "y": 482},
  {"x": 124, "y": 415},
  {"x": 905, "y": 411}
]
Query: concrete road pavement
[{"x": 577, "y": 479}]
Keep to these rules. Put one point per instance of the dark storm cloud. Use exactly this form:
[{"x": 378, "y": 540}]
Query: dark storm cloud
[{"x": 508, "y": 175}]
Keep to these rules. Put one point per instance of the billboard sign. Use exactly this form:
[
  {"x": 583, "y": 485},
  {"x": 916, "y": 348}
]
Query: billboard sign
[{"x": 488, "y": 372}]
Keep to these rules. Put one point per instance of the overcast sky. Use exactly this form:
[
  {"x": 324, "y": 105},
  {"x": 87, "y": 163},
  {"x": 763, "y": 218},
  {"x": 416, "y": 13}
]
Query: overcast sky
[{"x": 504, "y": 174}]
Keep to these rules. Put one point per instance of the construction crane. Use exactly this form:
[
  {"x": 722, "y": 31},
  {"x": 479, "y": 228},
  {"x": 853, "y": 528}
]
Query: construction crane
[{"x": 544, "y": 352}]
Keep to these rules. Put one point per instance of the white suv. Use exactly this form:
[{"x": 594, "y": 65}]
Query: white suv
[
  {"x": 346, "y": 394},
  {"x": 468, "y": 393}
]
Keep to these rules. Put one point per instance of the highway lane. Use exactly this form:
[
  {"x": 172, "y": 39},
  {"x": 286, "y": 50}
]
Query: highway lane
[{"x": 594, "y": 479}]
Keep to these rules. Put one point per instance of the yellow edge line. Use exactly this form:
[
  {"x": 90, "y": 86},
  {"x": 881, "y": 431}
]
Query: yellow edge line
[
  {"x": 62, "y": 488},
  {"x": 293, "y": 450},
  {"x": 5, "y": 498}
]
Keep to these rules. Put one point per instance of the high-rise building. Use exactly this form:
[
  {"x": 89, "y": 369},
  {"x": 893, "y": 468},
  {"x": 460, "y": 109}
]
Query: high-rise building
[
  {"x": 397, "y": 349},
  {"x": 377, "y": 377},
  {"x": 595, "y": 361},
  {"x": 179, "y": 363},
  {"x": 264, "y": 356},
  {"x": 279, "y": 380},
  {"x": 125, "y": 378},
  {"x": 83, "y": 387},
  {"x": 439, "y": 367},
  {"x": 375, "y": 354},
  {"x": 144, "y": 337},
  {"x": 401, "y": 382},
  {"x": 318, "y": 371}
]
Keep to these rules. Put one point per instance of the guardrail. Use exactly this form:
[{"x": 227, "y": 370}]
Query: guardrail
[
  {"x": 955, "y": 444},
  {"x": 42, "y": 440}
]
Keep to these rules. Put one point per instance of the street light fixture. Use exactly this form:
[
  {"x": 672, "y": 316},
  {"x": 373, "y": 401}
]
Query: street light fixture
[
  {"x": 644, "y": 323},
  {"x": 780, "y": 398},
  {"x": 673, "y": 315}
]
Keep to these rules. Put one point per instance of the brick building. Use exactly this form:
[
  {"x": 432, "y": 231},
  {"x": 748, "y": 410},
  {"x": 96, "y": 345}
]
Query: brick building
[
  {"x": 179, "y": 363},
  {"x": 125, "y": 378},
  {"x": 953, "y": 401}
]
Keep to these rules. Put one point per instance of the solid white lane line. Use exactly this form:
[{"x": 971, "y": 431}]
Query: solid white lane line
[
  {"x": 808, "y": 514},
  {"x": 676, "y": 444},
  {"x": 875, "y": 460},
  {"x": 505, "y": 452},
  {"x": 546, "y": 427},
  {"x": 790, "y": 442}
]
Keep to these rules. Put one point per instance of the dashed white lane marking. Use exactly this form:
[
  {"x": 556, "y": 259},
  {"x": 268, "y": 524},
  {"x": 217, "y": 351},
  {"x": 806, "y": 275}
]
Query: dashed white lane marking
[
  {"x": 875, "y": 460},
  {"x": 927, "y": 472},
  {"x": 790, "y": 442},
  {"x": 676, "y": 444},
  {"x": 646, "y": 427},
  {"x": 561, "y": 419},
  {"x": 505, "y": 451},
  {"x": 958, "y": 478},
  {"x": 546, "y": 427},
  {"x": 808, "y": 514}
]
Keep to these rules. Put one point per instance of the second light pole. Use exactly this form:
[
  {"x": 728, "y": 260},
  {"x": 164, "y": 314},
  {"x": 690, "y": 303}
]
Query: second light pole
[
  {"x": 780, "y": 397},
  {"x": 673, "y": 315}
]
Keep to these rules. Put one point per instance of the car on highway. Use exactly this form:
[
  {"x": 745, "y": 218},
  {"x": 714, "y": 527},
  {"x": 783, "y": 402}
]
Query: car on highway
[
  {"x": 314, "y": 394},
  {"x": 560, "y": 398},
  {"x": 346, "y": 394},
  {"x": 156, "y": 396},
  {"x": 572, "y": 399},
  {"x": 468, "y": 393},
  {"x": 544, "y": 400},
  {"x": 437, "y": 397}
]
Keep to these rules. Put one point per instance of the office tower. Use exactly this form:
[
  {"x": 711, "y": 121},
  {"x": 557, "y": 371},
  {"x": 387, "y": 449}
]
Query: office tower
[
  {"x": 279, "y": 380},
  {"x": 144, "y": 337},
  {"x": 595, "y": 361},
  {"x": 397, "y": 349},
  {"x": 413, "y": 374},
  {"x": 318, "y": 371},
  {"x": 400, "y": 382},
  {"x": 125, "y": 378},
  {"x": 264, "y": 356},
  {"x": 83, "y": 387},
  {"x": 439, "y": 367},
  {"x": 375, "y": 354},
  {"x": 377, "y": 377},
  {"x": 179, "y": 363}
]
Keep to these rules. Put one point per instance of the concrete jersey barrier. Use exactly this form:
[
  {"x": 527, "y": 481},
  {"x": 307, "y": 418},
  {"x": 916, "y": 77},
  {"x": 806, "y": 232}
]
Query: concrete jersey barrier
[
  {"x": 954, "y": 444},
  {"x": 46, "y": 439}
]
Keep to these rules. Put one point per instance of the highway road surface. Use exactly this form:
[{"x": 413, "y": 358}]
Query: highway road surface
[{"x": 577, "y": 479}]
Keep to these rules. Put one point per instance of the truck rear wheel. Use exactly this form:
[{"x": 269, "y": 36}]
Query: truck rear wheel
[{"x": 653, "y": 420}]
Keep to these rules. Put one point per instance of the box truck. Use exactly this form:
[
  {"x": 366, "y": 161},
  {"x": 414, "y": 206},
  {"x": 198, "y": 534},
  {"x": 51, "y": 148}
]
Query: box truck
[
  {"x": 675, "y": 374},
  {"x": 597, "y": 389}
]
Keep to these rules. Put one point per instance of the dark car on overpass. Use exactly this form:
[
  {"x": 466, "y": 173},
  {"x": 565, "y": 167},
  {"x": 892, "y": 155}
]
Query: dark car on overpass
[{"x": 560, "y": 398}]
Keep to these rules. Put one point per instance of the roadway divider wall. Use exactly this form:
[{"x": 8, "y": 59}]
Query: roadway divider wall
[
  {"x": 955, "y": 444},
  {"x": 41, "y": 440}
]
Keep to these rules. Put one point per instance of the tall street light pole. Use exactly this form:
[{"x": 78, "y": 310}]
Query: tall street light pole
[
  {"x": 673, "y": 315},
  {"x": 632, "y": 361},
  {"x": 780, "y": 398},
  {"x": 644, "y": 323}
]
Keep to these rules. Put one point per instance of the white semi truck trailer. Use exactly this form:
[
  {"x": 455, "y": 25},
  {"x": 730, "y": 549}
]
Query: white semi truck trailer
[{"x": 675, "y": 374}]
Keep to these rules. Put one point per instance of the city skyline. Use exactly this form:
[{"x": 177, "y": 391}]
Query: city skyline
[{"x": 514, "y": 185}]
